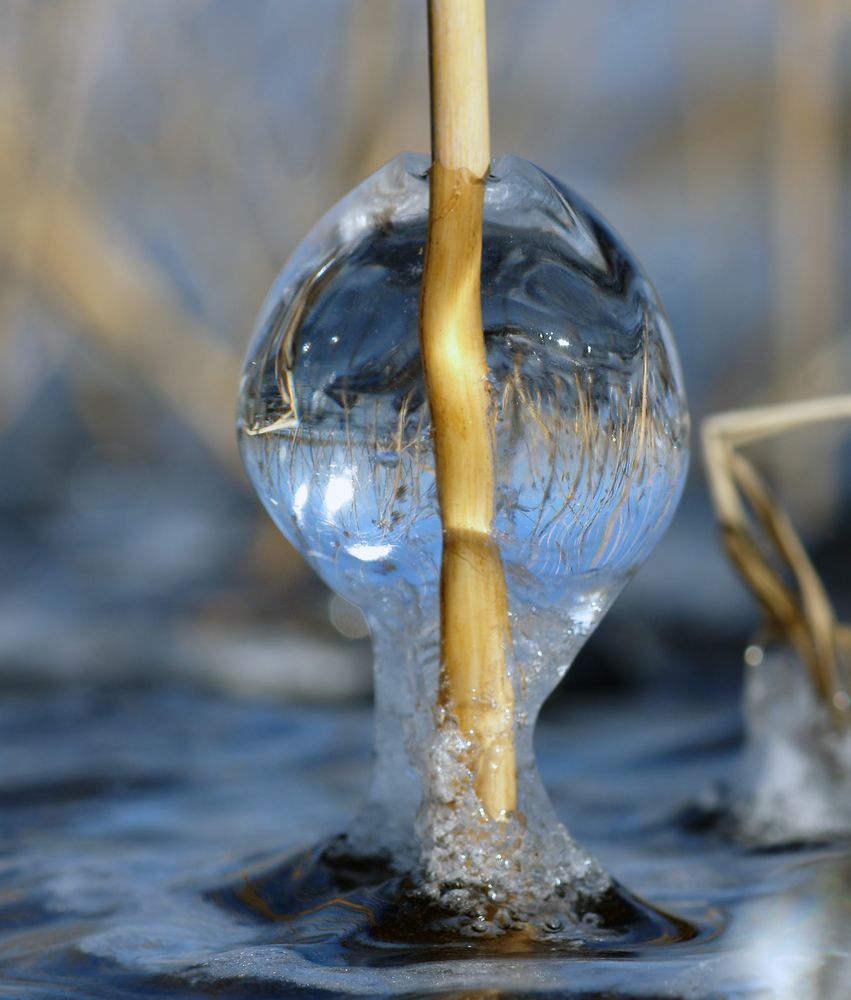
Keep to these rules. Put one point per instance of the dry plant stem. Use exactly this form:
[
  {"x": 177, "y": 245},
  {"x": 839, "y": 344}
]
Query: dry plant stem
[
  {"x": 475, "y": 688},
  {"x": 802, "y": 613},
  {"x": 115, "y": 296}
]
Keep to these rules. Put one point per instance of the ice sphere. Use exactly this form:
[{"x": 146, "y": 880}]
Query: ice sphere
[
  {"x": 590, "y": 437},
  {"x": 590, "y": 414}
]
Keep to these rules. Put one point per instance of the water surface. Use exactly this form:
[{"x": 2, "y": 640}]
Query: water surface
[{"x": 121, "y": 809}]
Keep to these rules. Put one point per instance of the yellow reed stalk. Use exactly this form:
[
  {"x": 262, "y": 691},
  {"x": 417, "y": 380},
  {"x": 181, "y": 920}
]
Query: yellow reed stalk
[
  {"x": 792, "y": 596},
  {"x": 475, "y": 688}
]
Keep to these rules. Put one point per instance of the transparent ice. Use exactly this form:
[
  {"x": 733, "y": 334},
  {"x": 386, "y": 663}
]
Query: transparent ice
[
  {"x": 795, "y": 783},
  {"x": 590, "y": 449}
]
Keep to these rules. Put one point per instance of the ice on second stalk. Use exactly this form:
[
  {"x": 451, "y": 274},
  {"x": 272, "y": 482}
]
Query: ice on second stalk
[{"x": 589, "y": 430}]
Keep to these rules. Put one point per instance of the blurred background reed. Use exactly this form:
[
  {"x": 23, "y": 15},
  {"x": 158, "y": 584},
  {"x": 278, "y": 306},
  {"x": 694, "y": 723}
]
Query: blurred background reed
[{"x": 159, "y": 161}]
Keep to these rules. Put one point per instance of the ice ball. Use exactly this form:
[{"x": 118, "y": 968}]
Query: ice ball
[{"x": 588, "y": 406}]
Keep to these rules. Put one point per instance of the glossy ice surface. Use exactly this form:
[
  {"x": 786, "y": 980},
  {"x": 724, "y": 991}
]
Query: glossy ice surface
[
  {"x": 590, "y": 431},
  {"x": 589, "y": 412}
]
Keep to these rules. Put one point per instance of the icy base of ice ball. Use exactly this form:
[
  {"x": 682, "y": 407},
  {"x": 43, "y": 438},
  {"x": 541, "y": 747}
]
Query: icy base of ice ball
[{"x": 590, "y": 448}]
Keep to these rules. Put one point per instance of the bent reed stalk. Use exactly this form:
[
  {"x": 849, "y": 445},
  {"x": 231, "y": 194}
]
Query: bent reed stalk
[
  {"x": 475, "y": 688},
  {"x": 768, "y": 554}
]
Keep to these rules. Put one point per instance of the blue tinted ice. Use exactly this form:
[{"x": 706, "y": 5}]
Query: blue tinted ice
[
  {"x": 590, "y": 414},
  {"x": 590, "y": 430}
]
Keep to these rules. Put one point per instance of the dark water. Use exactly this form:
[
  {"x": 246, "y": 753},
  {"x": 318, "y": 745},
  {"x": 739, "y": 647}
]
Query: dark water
[{"x": 126, "y": 815}]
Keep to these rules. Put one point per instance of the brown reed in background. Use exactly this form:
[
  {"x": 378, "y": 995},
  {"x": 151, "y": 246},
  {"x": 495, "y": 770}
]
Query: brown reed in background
[{"x": 158, "y": 162}]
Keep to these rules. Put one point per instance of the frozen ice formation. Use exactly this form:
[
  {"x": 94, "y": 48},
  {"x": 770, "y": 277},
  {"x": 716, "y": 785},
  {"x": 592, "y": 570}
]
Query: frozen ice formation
[
  {"x": 795, "y": 783},
  {"x": 590, "y": 431}
]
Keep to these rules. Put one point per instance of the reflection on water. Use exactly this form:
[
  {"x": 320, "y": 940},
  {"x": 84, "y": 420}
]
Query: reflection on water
[{"x": 127, "y": 814}]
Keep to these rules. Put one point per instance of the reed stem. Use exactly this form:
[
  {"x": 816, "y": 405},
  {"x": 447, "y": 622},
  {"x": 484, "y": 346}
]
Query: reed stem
[
  {"x": 475, "y": 688},
  {"x": 768, "y": 553}
]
